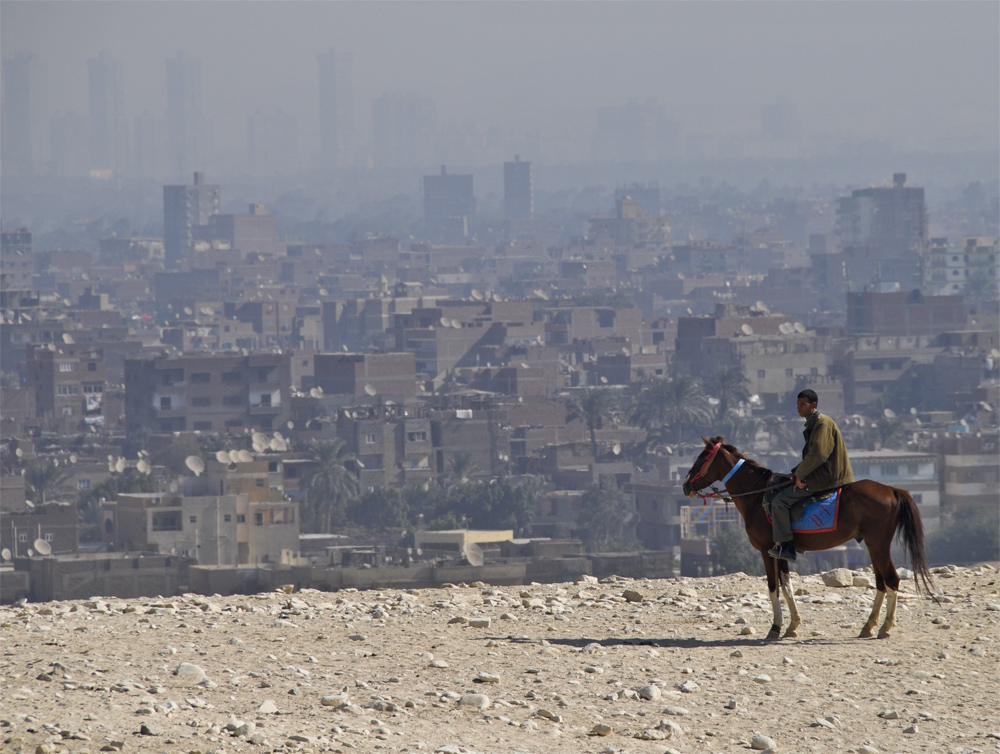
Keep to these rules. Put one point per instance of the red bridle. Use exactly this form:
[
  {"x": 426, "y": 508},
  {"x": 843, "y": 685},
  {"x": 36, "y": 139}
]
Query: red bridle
[{"x": 708, "y": 462}]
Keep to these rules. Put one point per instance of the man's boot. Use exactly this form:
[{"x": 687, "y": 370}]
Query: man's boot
[{"x": 783, "y": 551}]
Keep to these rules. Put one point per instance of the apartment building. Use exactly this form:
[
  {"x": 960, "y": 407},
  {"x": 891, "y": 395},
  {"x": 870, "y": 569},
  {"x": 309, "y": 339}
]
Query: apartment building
[
  {"x": 207, "y": 392},
  {"x": 69, "y": 384},
  {"x": 966, "y": 265}
]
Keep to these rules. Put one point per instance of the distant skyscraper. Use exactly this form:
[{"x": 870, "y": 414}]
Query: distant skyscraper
[
  {"x": 25, "y": 124},
  {"x": 272, "y": 144},
  {"x": 108, "y": 127},
  {"x": 449, "y": 204},
  {"x": 147, "y": 147},
  {"x": 70, "y": 145},
  {"x": 185, "y": 125},
  {"x": 185, "y": 208},
  {"x": 336, "y": 107},
  {"x": 518, "y": 197},
  {"x": 403, "y": 128}
]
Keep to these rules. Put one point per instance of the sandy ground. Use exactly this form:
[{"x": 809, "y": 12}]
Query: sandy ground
[{"x": 553, "y": 668}]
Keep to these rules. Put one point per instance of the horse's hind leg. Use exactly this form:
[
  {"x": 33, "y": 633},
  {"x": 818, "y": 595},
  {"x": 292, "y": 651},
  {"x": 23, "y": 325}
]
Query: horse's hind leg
[
  {"x": 885, "y": 573},
  {"x": 786, "y": 588},
  {"x": 869, "y": 627},
  {"x": 771, "y": 569}
]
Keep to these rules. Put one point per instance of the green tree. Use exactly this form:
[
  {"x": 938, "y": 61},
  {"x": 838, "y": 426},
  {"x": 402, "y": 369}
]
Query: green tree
[
  {"x": 672, "y": 407},
  {"x": 731, "y": 387},
  {"x": 739, "y": 430},
  {"x": 462, "y": 468},
  {"x": 888, "y": 433},
  {"x": 733, "y": 553},
  {"x": 381, "y": 509},
  {"x": 593, "y": 405},
  {"x": 89, "y": 502},
  {"x": 491, "y": 504},
  {"x": 329, "y": 485},
  {"x": 607, "y": 516},
  {"x": 174, "y": 455},
  {"x": 45, "y": 480}
]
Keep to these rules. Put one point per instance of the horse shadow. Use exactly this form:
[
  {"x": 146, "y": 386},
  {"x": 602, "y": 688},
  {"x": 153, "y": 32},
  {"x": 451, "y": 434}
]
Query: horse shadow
[{"x": 688, "y": 642}]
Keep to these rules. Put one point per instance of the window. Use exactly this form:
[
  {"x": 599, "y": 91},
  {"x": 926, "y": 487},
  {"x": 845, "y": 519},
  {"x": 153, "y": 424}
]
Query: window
[
  {"x": 91, "y": 366},
  {"x": 813, "y": 370},
  {"x": 165, "y": 403},
  {"x": 93, "y": 388},
  {"x": 203, "y": 426},
  {"x": 241, "y": 518},
  {"x": 201, "y": 401},
  {"x": 258, "y": 519},
  {"x": 48, "y": 537},
  {"x": 371, "y": 438},
  {"x": 200, "y": 378},
  {"x": 265, "y": 399},
  {"x": 192, "y": 519},
  {"x": 260, "y": 482},
  {"x": 166, "y": 522},
  {"x": 227, "y": 518},
  {"x": 83, "y": 484},
  {"x": 760, "y": 374},
  {"x": 918, "y": 498},
  {"x": 788, "y": 372},
  {"x": 416, "y": 436},
  {"x": 67, "y": 411},
  {"x": 22, "y": 537},
  {"x": 232, "y": 400},
  {"x": 67, "y": 389},
  {"x": 877, "y": 366},
  {"x": 895, "y": 365},
  {"x": 65, "y": 366},
  {"x": 232, "y": 377}
]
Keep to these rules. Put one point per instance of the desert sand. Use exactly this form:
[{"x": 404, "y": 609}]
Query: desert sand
[{"x": 583, "y": 667}]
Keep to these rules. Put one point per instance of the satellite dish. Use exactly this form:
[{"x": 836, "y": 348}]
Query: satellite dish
[
  {"x": 31, "y": 553},
  {"x": 143, "y": 467},
  {"x": 67, "y": 339},
  {"x": 669, "y": 450},
  {"x": 206, "y": 311},
  {"x": 259, "y": 437},
  {"x": 370, "y": 390},
  {"x": 689, "y": 310},
  {"x": 55, "y": 461},
  {"x": 746, "y": 329},
  {"x": 604, "y": 380},
  {"x": 73, "y": 458},
  {"x": 314, "y": 392},
  {"x": 786, "y": 328},
  {"x": 279, "y": 436},
  {"x": 799, "y": 327},
  {"x": 525, "y": 365},
  {"x": 5, "y": 554},
  {"x": 42, "y": 547},
  {"x": 120, "y": 465},
  {"x": 188, "y": 311},
  {"x": 445, "y": 322},
  {"x": 290, "y": 424},
  {"x": 19, "y": 453},
  {"x": 29, "y": 503},
  {"x": 260, "y": 447},
  {"x": 616, "y": 448},
  {"x": 195, "y": 464},
  {"x": 477, "y": 295},
  {"x": 111, "y": 467},
  {"x": 324, "y": 292},
  {"x": 761, "y": 307},
  {"x": 473, "y": 553},
  {"x": 889, "y": 413},
  {"x": 456, "y": 325},
  {"x": 222, "y": 456}
]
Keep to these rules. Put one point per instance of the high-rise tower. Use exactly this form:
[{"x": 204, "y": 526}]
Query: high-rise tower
[
  {"x": 185, "y": 208},
  {"x": 185, "y": 125},
  {"x": 518, "y": 200},
  {"x": 108, "y": 127},
  {"x": 25, "y": 124},
  {"x": 336, "y": 107}
]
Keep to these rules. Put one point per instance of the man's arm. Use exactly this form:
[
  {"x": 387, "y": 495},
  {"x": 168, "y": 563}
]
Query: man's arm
[{"x": 818, "y": 449}]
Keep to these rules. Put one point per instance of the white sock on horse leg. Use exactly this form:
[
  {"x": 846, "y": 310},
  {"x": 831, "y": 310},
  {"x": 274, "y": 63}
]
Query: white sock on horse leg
[
  {"x": 776, "y": 610},
  {"x": 786, "y": 589}
]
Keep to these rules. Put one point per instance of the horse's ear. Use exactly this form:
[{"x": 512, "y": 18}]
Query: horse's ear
[{"x": 707, "y": 442}]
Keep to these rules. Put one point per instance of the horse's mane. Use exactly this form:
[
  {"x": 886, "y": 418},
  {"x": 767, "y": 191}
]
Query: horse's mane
[{"x": 735, "y": 451}]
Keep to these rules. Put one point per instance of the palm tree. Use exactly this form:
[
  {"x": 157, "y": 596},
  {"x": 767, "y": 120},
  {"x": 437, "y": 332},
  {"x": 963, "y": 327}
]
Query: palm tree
[
  {"x": 45, "y": 478},
  {"x": 731, "y": 386},
  {"x": 328, "y": 483},
  {"x": 593, "y": 405},
  {"x": 667, "y": 408},
  {"x": 462, "y": 468}
]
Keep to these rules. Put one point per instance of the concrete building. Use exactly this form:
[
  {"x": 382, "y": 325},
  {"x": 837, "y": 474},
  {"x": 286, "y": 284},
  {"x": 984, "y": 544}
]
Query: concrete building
[
  {"x": 403, "y": 127},
  {"x": 902, "y": 313},
  {"x": 391, "y": 376},
  {"x": 882, "y": 233},
  {"x": 17, "y": 265},
  {"x": 207, "y": 392},
  {"x": 184, "y": 209},
  {"x": 917, "y": 473},
  {"x": 55, "y": 523},
  {"x": 69, "y": 384},
  {"x": 971, "y": 471},
  {"x": 336, "y": 107},
  {"x": 449, "y": 205},
  {"x": 968, "y": 265},
  {"x": 25, "y": 122},
  {"x": 518, "y": 190}
]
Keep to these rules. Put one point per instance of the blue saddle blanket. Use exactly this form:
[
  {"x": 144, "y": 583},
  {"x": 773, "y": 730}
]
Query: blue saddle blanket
[{"x": 819, "y": 516}]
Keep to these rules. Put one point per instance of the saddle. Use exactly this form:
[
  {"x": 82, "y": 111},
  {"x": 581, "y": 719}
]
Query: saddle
[{"x": 816, "y": 513}]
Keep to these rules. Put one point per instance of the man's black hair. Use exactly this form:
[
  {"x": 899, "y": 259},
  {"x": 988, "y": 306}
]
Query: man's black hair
[{"x": 809, "y": 395}]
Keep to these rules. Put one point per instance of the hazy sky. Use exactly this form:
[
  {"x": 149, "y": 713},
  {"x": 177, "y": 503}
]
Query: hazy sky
[{"x": 912, "y": 71}]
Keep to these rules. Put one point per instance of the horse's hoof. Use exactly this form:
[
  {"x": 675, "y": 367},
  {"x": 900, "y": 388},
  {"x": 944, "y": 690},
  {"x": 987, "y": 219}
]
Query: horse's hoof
[
  {"x": 791, "y": 634},
  {"x": 772, "y": 636},
  {"x": 866, "y": 633},
  {"x": 883, "y": 634}
]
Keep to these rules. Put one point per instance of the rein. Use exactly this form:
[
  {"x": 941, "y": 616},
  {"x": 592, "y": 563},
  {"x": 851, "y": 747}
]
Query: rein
[{"x": 725, "y": 494}]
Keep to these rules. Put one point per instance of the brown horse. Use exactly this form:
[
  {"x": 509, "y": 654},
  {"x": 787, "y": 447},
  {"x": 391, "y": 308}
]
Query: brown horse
[{"x": 868, "y": 510}]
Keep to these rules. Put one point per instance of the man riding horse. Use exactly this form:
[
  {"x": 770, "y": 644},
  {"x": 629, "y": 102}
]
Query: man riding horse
[{"x": 824, "y": 466}]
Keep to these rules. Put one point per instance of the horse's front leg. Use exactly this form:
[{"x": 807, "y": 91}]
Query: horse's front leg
[
  {"x": 771, "y": 568},
  {"x": 793, "y": 611},
  {"x": 868, "y": 629}
]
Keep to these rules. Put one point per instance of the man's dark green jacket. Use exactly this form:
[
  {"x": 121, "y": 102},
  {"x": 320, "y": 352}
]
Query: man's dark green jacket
[{"x": 825, "y": 464}]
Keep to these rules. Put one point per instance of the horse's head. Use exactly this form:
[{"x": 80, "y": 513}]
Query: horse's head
[{"x": 704, "y": 469}]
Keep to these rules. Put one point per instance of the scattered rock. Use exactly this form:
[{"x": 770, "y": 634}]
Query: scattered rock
[
  {"x": 267, "y": 707},
  {"x": 631, "y": 595},
  {"x": 838, "y": 577},
  {"x": 478, "y": 701},
  {"x": 600, "y": 729},
  {"x": 760, "y": 742},
  {"x": 190, "y": 674}
]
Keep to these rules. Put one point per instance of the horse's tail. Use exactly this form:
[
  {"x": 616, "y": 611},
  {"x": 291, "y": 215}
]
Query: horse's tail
[{"x": 910, "y": 529}]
